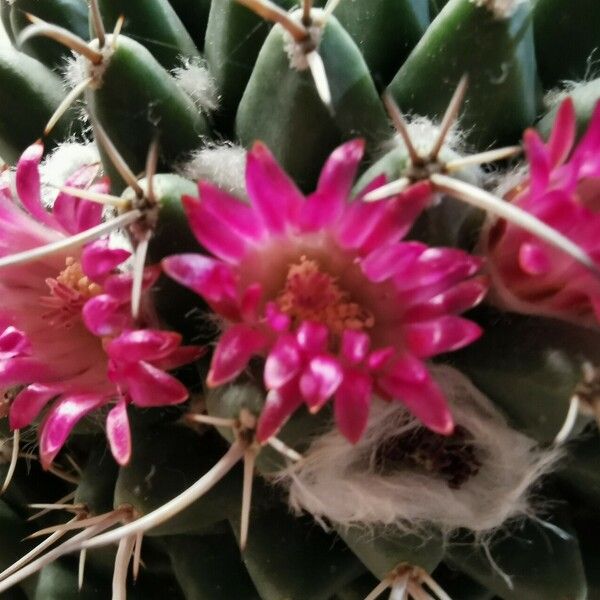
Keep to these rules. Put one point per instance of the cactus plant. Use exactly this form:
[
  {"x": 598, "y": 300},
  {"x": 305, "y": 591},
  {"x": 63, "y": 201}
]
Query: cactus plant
[{"x": 299, "y": 302}]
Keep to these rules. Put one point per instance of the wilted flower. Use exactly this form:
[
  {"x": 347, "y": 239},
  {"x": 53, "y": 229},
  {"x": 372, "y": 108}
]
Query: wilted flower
[
  {"x": 323, "y": 288},
  {"x": 563, "y": 190}
]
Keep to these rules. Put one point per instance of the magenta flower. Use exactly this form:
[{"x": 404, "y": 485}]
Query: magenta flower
[
  {"x": 563, "y": 190},
  {"x": 324, "y": 289},
  {"x": 46, "y": 351}
]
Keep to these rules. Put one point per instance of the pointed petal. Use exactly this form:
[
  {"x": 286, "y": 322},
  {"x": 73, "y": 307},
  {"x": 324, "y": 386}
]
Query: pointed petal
[
  {"x": 98, "y": 260},
  {"x": 283, "y": 363},
  {"x": 320, "y": 381},
  {"x": 60, "y": 420},
  {"x": 563, "y": 132},
  {"x": 28, "y": 404},
  {"x": 385, "y": 261},
  {"x": 534, "y": 259},
  {"x": 355, "y": 346},
  {"x": 148, "y": 386},
  {"x": 425, "y": 400},
  {"x": 119, "y": 286},
  {"x": 118, "y": 432},
  {"x": 183, "y": 355},
  {"x": 279, "y": 406},
  {"x": 539, "y": 165},
  {"x": 143, "y": 344},
  {"x": 28, "y": 184},
  {"x": 272, "y": 193},
  {"x": 235, "y": 348},
  {"x": 215, "y": 235},
  {"x": 312, "y": 337},
  {"x": 237, "y": 215},
  {"x": 351, "y": 406},
  {"x": 21, "y": 370},
  {"x": 333, "y": 190},
  {"x": 14, "y": 342},
  {"x": 444, "y": 334},
  {"x": 104, "y": 316}
]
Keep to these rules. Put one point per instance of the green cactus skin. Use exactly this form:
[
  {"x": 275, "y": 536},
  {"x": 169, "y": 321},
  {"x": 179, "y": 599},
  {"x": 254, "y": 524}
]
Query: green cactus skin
[
  {"x": 209, "y": 567},
  {"x": 155, "y": 25},
  {"x": 585, "y": 97},
  {"x": 566, "y": 39},
  {"x": 70, "y": 14},
  {"x": 29, "y": 95},
  {"x": 545, "y": 368},
  {"x": 278, "y": 562},
  {"x": 541, "y": 563},
  {"x": 234, "y": 37},
  {"x": 165, "y": 461},
  {"x": 381, "y": 552},
  {"x": 459, "y": 585},
  {"x": 281, "y": 106},
  {"x": 5, "y": 10},
  {"x": 498, "y": 57},
  {"x": 385, "y": 31},
  {"x": 138, "y": 101}
]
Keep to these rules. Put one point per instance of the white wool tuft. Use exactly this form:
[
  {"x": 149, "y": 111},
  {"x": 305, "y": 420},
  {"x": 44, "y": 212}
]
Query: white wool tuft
[
  {"x": 502, "y": 9},
  {"x": 194, "y": 78},
  {"x": 75, "y": 70},
  {"x": 339, "y": 481},
  {"x": 65, "y": 159},
  {"x": 224, "y": 164}
]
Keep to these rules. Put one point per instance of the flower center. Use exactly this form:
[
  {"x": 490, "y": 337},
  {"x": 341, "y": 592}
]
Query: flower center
[
  {"x": 69, "y": 291},
  {"x": 310, "y": 294}
]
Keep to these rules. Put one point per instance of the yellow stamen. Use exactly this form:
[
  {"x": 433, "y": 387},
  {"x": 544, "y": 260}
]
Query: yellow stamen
[
  {"x": 310, "y": 294},
  {"x": 73, "y": 277}
]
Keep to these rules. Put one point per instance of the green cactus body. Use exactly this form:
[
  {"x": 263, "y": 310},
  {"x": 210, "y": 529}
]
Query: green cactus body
[
  {"x": 156, "y": 109},
  {"x": 70, "y": 14},
  {"x": 281, "y": 103},
  {"x": 155, "y": 25},
  {"x": 497, "y": 54}
]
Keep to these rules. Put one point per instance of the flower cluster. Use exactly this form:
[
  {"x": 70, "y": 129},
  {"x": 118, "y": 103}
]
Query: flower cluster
[
  {"x": 66, "y": 331},
  {"x": 563, "y": 190}
]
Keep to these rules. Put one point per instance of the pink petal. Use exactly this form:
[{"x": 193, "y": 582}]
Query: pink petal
[
  {"x": 444, "y": 334},
  {"x": 563, "y": 133},
  {"x": 119, "y": 286},
  {"x": 351, "y": 406},
  {"x": 425, "y": 400},
  {"x": 148, "y": 386},
  {"x": 237, "y": 215},
  {"x": 14, "y": 342},
  {"x": 28, "y": 404},
  {"x": 235, "y": 348},
  {"x": 118, "y": 432},
  {"x": 89, "y": 214},
  {"x": 379, "y": 358},
  {"x": 28, "y": 184},
  {"x": 277, "y": 320},
  {"x": 143, "y": 344},
  {"x": 272, "y": 193},
  {"x": 98, "y": 260},
  {"x": 383, "y": 262},
  {"x": 215, "y": 235},
  {"x": 279, "y": 406},
  {"x": 312, "y": 337},
  {"x": 210, "y": 278},
  {"x": 355, "y": 346},
  {"x": 283, "y": 362},
  {"x": 539, "y": 164},
  {"x": 335, "y": 183},
  {"x": 251, "y": 301},
  {"x": 457, "y": 299},
  {"x": 104, "y": 316},
  {"x": 183, "y": 355},
  {"x": 21, "y": 370},
  {"x": 534, "y": 259},
  {"x": 60, "y": 420},
  {"x": 320, "y": 381},
  {"x": 407, "y": 368}
]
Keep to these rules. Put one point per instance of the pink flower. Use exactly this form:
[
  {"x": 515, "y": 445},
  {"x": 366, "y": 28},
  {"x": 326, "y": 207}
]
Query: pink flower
[
  {"x": 324, "y": 289},
  {"x": 46, "y": 351},
  {"x": 563, "y": 190}
]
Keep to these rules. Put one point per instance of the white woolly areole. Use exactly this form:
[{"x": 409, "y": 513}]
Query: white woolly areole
[
  {"x": 224, "y": 164},
  {"x": 297, "y": 51},
  {"x": 502, "y": 9},
  {"x": 340, "y": 482},
  {"x": 194, "y": 78},
  {"x": 65, "y": 159}
]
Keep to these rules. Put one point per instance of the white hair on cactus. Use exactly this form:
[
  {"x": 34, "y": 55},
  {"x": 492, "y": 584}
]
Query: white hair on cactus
[
  {"x": 224, "y": 164},
  {"x": 502, "y": 9},
  {"x": 194, "y": 78},
  {"x": 344, "y": 484},
  {"x": 65, "y": 159},
  {"x": 75, "y": 70}
]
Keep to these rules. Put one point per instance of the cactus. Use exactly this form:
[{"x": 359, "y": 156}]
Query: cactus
[{"x": 299, "y": 302}]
